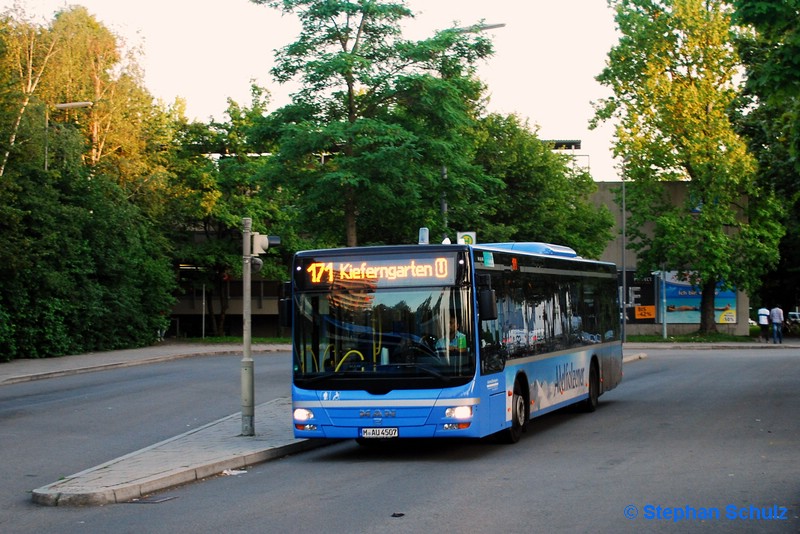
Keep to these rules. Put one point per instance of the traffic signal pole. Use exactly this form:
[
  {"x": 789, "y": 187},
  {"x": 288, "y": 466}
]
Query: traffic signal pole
[
  {"x": 253, "y": 245},
  {"x": 248, "y": 389}
]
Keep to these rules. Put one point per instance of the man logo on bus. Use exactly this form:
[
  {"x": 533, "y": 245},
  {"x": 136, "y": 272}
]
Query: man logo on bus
[{"x": 377, "y": 413}]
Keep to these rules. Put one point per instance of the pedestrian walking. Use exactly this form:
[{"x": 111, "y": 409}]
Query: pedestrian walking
[
  {"x": 776, "y": 317},
  {"x": 763, "y": 323}
]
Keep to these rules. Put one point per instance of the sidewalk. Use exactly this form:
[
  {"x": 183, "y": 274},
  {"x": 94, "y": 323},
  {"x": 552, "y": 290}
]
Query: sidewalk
[
  {"x": 199, "y": 453},
  {"x": 193, "y": 455},
  {"x": 35, "y": 369}
]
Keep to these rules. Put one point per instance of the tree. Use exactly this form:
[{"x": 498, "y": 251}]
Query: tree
[
  {"x": 551, "y": 192},
  {"x": 83, "y": 267},
  {"x": 217, "y": 177},
  {"x": 93, "y": 68},
  {"x": 80, "y": 268},
  {"x": 776, "y": 74},
  {"x": 350, "y": 139},
  {"x": 674, "y": 79},
  {"x": 770, "y": 118},
  {"x": 27, "y": 50}
]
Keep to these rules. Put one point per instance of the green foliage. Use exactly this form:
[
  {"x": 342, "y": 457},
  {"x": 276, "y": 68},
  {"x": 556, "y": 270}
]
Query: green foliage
[
  {"x": 81, "y": 267},
  {"x": 73, "y": 280},
  {"x": 217, "y": 176},
  {"x": 382, "y": 130},
  {"x": 375, "y": 119},
  {"x": 540, "y": 195},
  {"x": 769, "y": 115},
  {"x": 777, "y": 72},
  {"x": 673, "y": 75}
]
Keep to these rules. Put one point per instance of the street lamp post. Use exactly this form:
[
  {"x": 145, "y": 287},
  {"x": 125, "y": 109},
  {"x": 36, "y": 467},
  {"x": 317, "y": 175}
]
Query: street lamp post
[
  {"x": 624, "y": 267},
  {"x": 65, "y": 106},
  {"x": 475, "y": 28},
  {"x": 663, "y": 302},
  {"x": 443, "y": 201}
]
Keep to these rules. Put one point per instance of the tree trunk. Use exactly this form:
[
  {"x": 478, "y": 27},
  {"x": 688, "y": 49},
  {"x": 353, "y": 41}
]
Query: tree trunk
[
  {"x": 350, "y": 216},
  {"x": 211, "y": 314},
  {"x": 707, "y": 323},
  {"x": 13, "y": 136},
  {"x": 223, "y": 305}
]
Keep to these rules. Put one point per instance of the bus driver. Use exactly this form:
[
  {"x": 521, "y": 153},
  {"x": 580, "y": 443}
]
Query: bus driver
[{"x": 454, "y": 342}]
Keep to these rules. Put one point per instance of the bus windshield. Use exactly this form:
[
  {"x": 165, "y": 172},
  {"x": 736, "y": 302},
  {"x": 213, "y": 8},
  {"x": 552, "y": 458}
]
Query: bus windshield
[{"x": 410, "y": 336}]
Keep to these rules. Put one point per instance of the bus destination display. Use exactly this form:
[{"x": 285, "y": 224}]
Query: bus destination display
[{"x": 384, "y": 272}]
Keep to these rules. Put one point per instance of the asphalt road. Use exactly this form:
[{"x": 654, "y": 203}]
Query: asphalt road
[
  {"x": 55, "y": 427},
  {"x": 687, "y": 435}
]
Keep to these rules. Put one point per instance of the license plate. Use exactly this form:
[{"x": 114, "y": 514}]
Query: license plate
[{"x": 389, "y": 432}]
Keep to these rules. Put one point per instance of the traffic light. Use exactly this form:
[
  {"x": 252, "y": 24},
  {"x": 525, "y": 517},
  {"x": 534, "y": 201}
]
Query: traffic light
[{"x": 262, "y": 242}]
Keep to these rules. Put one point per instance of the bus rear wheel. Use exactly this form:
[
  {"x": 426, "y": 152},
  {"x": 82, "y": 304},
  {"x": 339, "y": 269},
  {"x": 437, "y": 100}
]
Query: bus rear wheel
[{"x": 590, "y": 404}]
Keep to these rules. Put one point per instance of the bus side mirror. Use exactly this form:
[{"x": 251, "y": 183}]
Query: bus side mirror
[
  {"x": 285, "y": 313},
  {"x": 487, "y": 305},
  {"x": 487, "y": 301}
]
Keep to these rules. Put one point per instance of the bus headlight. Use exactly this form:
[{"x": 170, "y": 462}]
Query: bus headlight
[
  {"x": 301, "y": 414},
  {"x": 459, "y": 412}
]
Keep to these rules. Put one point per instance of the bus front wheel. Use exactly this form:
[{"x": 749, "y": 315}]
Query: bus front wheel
[{"x": 519, "y": 416}]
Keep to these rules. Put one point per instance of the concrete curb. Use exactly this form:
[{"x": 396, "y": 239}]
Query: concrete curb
[
  {"x": 104, "y": 367},
  {"x": 634, "y": 357},
  {"x": 51, "y": 496},
  {"x": 194, "y": 455}
]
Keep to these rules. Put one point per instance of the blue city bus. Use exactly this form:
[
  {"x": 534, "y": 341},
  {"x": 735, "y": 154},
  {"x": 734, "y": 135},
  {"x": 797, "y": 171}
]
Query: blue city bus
[{"x": 434, "y": 341}]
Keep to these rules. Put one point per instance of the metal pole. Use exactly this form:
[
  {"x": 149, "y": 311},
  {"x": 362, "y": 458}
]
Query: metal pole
[
  {"x": 46, "y": 136},
  {"x": 248, "y": 393},
  {"x": 443, "y": 201},
  {"x": 624, "y": 271},
  {"x": 663, "y": 302}
]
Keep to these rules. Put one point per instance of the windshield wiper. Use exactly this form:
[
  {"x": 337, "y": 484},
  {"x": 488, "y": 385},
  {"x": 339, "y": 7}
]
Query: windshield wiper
[
  {"x": 361, "y": 374},
  {"x": 318, "y": 378},
  {"x": 430, "y": 371}
]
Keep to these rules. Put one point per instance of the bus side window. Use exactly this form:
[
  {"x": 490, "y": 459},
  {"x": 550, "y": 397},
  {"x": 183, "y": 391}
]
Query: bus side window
[
  {"x": 493, "y": 359},
  {"x": 493, "y": 352},
  {"x": 487, "y": 305}
]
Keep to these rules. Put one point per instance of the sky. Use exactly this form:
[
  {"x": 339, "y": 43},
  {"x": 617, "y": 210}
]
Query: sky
[{"x": 205, "y": 51}]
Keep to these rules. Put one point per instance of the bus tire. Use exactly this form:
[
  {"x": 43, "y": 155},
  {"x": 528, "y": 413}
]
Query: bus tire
[
  {"x": 590, "y": 404},
  {"x": 519, "y": 416}
]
